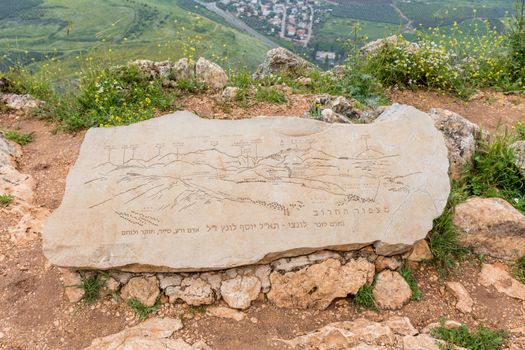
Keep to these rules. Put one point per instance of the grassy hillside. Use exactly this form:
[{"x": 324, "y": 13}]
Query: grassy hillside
[{"x": 123, "y": 29}]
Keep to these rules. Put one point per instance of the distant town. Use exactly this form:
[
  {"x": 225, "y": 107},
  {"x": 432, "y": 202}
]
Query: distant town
[{"x": 292, "y": 20}]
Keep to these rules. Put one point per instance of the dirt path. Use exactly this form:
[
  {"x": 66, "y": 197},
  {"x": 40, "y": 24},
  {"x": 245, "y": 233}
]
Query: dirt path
[{"x": 35, "y": 314}]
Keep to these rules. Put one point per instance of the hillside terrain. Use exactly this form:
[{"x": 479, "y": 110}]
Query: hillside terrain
[{"x": 31, "y": 30}]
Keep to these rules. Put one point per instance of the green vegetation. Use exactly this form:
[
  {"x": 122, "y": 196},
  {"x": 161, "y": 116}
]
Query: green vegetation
[
  {"x": 18, "y": 137},
  {"x": 5, "y": 199},
  {"x": 73, "y": 31},
  {"x": 444, "y": 244},
  {"x": 406, "y": 273},
  {"x": 365, "y": 298},
  {"x": 201, "y": 309},
  {"x": 481, "y": 339},
  {"x": 519, "y": 269},
  {"x": 270, "y": 94},
  {"x": 92, "y": 284},
  {"x": 142, "y": 311},
  {"x": 494, "y": 174}
]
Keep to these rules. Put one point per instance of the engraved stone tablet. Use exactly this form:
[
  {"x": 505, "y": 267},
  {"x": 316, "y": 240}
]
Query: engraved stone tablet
[{"x": 184, "y": 193}]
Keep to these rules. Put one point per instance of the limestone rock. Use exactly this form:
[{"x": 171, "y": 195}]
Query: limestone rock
[
  {"x": 72, "y": 281},
  {"x": 497, "y": 276},
  {"x": 420, "y": 252},
  {"x": 391, "y": 291},
  {"x": 374, "y": 47},
  {"x": 144, "y": 289},
  {"x": 391, "y": 184},
  {"x": 167, "y": 280},
  {"x": 400, "y": 325},
  {"x": 421, "y": 342},
  {"x": 112, "y": 285},
  {"x": 294, "y": 263},
  {"x": 461, "y": 137},
  {"x": 23, "y": 103},
  {"x": 329, "y": 116},
  {"x": 153, "y": 70},
  {"x": 519, "y": 152},
  {"x": 284, "y": 62},
  {"x": 210, "y": 74},
  {"x": 391, "y": 263},
  {"x": 226, "y": 312},
  {"x": 193, "y": 291},
  {"x": 262, "y": 272},
  {"x": 464, "y": 301},
  {"x": 230, "y": 93},
  {"x": 491, "y": 226},
  {"x": 183, "y": 69},
  {"x": 338, "y": 109},
  {"x": 152, "y": 334},
  {"x": 239, "y": 292},
  {"x": 318, "y": 285},
  {"x": 347, "y": 335}
]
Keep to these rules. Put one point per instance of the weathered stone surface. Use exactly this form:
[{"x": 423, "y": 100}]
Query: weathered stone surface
[
  {"x": 420, "y": 342},
  {"x": 496, "y": 275},
  {"x": 519, "y": 152},
  {"x": 283, "y": 61},
  {"x": 153, "y": 70},
  {"x": 210, "y": 74},
  {"x": 180, "y": 193},
  {"x": 239, "y": 292},
  {"x": 230, "y": 93},
  {"x": 167, "y": 280},
  {"x": 401, "y": 325},
  {"x": 391, "y": 263},
  {"x": 317, "y": 285},
  {"x": 72, "y": 281},
  {"x": 391, "y": 291},
  {"x": 183, "y": 69},
  {"x": 464, "y": 301},
  {"x": 23, "y": 103},
  {"x": 491, "y": 226},
  {"x": 152, "y": 334},
  {"x": 226, "y": 312},
  {"x": 346, "y": 335},
  {"x": 461, "y": 137},
  {"x": 420, "y": 252},
  {"x": 193, "y": 291},
  {"x": 144, "y": 289}
]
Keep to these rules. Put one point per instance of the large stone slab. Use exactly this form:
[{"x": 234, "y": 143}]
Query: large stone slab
[{"x": 184, "y": 193}]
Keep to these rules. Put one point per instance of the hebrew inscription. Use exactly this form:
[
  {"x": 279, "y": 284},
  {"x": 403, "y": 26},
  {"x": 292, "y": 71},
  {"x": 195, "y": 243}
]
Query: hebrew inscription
[{"x": 184, "y": 193}]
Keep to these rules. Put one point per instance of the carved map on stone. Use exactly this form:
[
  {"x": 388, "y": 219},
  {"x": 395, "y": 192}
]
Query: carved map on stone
[{"x": 184, "y": 193}]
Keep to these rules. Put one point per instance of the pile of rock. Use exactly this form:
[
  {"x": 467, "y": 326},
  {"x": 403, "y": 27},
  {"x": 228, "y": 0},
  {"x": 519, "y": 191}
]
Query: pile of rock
[
  {"x": 308, "y": 281},
  {"x": 202, "y": 71},
  {"x": 338, "y": 109}
]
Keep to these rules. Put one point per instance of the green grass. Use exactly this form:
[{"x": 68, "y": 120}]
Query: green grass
[
  {"x": 480, "y": 339},
  {"x": 519, "y": 269},
  {"x": 406, "y": 273},
  {"x": 143, "y": 311},
  {"x": 92, "y": 286},
  {"x": 5, "y": 200},
  {"x": 270, "y": 94},
  {"x": 18, "y": 137},
  {"x": 493, "y": 172},
  {"x": 444, "y": 243},
  {"x": 365, "y": 297}
]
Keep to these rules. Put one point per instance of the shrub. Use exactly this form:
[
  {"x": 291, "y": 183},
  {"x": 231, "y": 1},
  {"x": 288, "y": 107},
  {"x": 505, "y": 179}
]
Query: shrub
[
  {"x": 270, "y": 94},
  {"x": 92, "y": 286},
  {"x": 516, "y": 63},
  {"x": 493, "y": 172},
  {"x": 481, "y": 339}
]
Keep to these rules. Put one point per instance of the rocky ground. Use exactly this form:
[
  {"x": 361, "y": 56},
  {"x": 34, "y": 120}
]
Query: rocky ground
[{"x": 36, "y": 314}]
